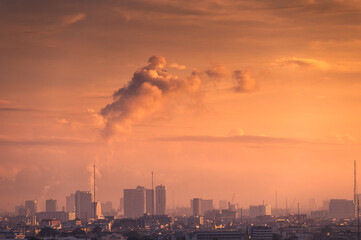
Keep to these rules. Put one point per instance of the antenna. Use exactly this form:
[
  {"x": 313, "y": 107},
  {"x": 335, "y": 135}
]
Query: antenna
[
  {"x": 95, "y": 205},
  {"x": 358, "y": 219}
]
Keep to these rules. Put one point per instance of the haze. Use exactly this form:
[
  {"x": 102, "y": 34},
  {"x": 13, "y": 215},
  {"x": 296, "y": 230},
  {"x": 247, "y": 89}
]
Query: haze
[{"x": 216, "y": 97}]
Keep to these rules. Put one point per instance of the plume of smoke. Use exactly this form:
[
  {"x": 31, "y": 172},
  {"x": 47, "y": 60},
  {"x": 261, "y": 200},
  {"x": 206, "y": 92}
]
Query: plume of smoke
[
  {"x": 218, "y": 72},
  {"x": 144, "y": 94},
  {"x": 245, "y": 81}
]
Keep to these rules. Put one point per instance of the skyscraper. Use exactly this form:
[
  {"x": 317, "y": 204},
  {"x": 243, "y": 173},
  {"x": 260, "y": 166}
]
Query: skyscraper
[
  {"x": 83, "y": 204},
  {"x": 207, "y": 205},
  {"x": 70, "y": 203},
  {"x": 160, "y": 200},
  {"x": 134, "y": 202},
  {"x": 197, "y": 206},
  {"x": 31, "y": 207},
  {"x": 150, "y": 201},
  {"x": 50, "y": 205},
  {"x": 341, "y": 208}
]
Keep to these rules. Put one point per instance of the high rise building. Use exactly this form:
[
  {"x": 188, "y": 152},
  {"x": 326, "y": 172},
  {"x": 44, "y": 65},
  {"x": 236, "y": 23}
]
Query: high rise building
[
  {"x": 197, "y": 206},
  {"x": 341, "y": 208},
  {"x": 70, "y": 203},
  {"x": 160, "y": 200},
  {"x": 50, "y": 205},
  {"x": 83, "y": 204},
  {"x": 98, "y": 209},
  {"x": 134, "y": 202},
  {"x": 207, "y": 205},
  {"x": 31, "y": 207},
  {"x": 260, "y": 210},
  {"x": 107, "y": 208},
  {"x": 150, "y": 201},
  {"x": 223, "y": 204}
]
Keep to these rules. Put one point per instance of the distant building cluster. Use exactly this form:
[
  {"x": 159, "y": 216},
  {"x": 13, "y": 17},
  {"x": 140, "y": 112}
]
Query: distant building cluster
[{"x": 143, "y": 214}]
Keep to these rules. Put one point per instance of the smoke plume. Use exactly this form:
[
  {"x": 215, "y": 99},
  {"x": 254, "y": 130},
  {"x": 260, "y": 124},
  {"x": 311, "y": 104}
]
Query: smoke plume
[
  {"x": 144, "y": 94},
  {"x": 245, "y": 81}
]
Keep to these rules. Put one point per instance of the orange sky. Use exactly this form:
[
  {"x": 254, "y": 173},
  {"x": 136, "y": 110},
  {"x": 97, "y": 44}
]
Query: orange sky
[{"x": 244, "y": 97}]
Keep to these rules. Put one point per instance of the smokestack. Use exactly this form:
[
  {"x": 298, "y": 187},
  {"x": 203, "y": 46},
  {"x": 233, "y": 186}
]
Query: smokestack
[{"x": 95, "y": 205}]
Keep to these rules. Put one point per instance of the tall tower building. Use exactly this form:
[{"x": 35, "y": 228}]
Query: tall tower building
[
  {"x": 160, "y": 200},
  {"x": 197, "y": 206},
  {"x": 31, "y": 207},
  {"x": 207, "y": 205},
  {"x": 134, "y": 202},
  {"x": 83, "y": 204},
  {"x": 150, "y": 201},
  {"x": 70, "y": 203},
  {"x": 50, "y": 205}
]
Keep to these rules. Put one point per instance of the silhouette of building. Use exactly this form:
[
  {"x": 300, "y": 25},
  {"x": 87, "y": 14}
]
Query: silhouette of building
[
  {"x": 134, "y": 202},
  {"x": 259, "y": 210},
  {"x": 31, "y": 207},
  {"x": 207, "y": 205},
  {"x": 261, "y": 233},
  {"x": 341, "y": 208},
  {"x": 107, "y": 209},
  {"x": 223, "y": 204},
  {"x": 150, "y": 201},
  {"x": 197, "y": 206},
  {"x": 50, "y": 205},
  {"x": 70, "y": 203},
  {"x": 83, "y": 204},
  {"x": 161, "y": 200}
]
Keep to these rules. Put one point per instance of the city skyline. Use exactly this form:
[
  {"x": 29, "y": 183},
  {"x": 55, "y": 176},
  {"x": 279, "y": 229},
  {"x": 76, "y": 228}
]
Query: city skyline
[{"x": 222, "y": 100}]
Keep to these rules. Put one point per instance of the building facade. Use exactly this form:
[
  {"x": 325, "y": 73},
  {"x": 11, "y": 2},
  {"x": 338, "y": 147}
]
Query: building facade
[
  {"x": 160, "y": 200},
  {"x": 83, "y": 204}
]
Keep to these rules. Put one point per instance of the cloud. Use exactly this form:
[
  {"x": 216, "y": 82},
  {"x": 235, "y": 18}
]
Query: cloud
[
  {"x": 236, "y": 132},
  {"x": 71, "y": 19},
  {"x": 303, "y": 63},
  {"x": 43, "y": 141},
  {"x": 62, "y": 121},
  {"x": 218, "y": 71},
  {"x": 144, "y": 94},
  {"x": 4, "y": 101},
  {"x": 245, "y": 81},
  {"x": 233, "y": 138},
  {"x": 177, "y": 66},
  {"x": 14, "y": 109}
]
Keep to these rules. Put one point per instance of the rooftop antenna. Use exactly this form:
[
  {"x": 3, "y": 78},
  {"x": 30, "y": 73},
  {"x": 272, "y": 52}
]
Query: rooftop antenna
[{"x": 95, "y": 205}]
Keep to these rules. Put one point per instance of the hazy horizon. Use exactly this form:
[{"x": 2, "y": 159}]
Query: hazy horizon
[{"x": 216, "y": 97}]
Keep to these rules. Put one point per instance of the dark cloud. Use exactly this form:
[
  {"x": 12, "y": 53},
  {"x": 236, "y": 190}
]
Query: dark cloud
[{"x": 14, "y": 109}]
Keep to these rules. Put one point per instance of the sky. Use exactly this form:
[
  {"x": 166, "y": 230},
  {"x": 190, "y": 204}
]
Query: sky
[{"x": 217, "y": 97}]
